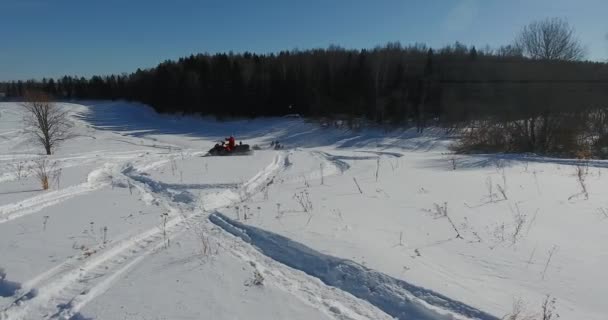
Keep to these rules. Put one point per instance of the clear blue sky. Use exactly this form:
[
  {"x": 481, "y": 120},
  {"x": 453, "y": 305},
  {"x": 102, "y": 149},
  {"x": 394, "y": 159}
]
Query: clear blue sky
[{"x": 86, "y": 37}]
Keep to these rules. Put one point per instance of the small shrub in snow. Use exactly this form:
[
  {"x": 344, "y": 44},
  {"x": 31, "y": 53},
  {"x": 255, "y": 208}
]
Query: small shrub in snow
[
  {"x": 503, "y": 188},
  {"x": 441, "y": 211},
  {"x": 164, "y": 219},
  {"x": 173, "y": 166},
  {"x": 582, "y": 170},
  {"x": 46, "y": 172},
  {"x": 207, "y": 248},
  {"x": 303, "y": 200},
  {"x": 520, "y": 220},
  {"x": 279, "y": 212},
  {"x": 357, "y": 184},
  {"x": 490, "y": 188},
  {"x": 258, "y": 279},
  {"x": 305, "y": 182},
  {"x": 44, "y": 222},
  {"x": 322, "y": 176},
  {"x": 130, "y": 186},
  {"x": 549, "y": 309},
  {"x": 400, "y": 239},
  {"x": 452, "y": 160},
  {"x": 503, "y": 192},
  {"x": 518, "y": 312},
  {"x": 105, "y": 235},
  {"x": 266, "y": 192},
  {"x": 246, "y": 214},
  {"x": 20, "y": 169},
  {"x": 581, "y": 176},
  {"x": 551, "y": 253}
]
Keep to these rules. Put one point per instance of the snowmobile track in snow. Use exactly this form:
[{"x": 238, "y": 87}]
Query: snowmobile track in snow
[
  {"x": 394, "y": 296},
  {"x": 64, "y": 290}
]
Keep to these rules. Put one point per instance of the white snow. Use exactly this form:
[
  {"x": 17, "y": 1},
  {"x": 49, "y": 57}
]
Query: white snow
[{"x": 337, "y": 225}]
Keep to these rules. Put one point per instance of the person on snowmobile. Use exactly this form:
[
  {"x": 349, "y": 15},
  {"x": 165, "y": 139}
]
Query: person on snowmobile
[{"x": 231, "y": 143}]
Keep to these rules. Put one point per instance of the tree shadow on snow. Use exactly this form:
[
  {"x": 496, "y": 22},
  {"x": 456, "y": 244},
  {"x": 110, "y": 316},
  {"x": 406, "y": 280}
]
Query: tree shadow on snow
[
  {"x": 138, "y": 120},
  {"x": 499, "y": 160}
]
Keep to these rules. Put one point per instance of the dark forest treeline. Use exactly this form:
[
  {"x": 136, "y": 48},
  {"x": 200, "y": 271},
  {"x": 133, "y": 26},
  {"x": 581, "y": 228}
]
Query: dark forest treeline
[{"x": 536, "y": 102}]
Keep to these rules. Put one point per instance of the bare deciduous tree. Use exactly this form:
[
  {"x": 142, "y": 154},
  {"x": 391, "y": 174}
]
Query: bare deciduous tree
[
  {"x": 550, "y": 39},
  {"x": 46, "y": 122}
]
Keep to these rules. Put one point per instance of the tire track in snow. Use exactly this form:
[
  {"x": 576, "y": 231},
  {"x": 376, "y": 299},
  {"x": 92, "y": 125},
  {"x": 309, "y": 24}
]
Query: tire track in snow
[{"x": 61, "y": 294}]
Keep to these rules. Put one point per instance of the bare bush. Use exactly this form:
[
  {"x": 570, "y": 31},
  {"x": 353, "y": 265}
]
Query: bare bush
[
  {"x": 279, "y": 212},
  {"x": 258, "y": 279},
  {"x": 441, "y": 211},
  {"x": 555, "y": 132},
  {"x": 46, "y": 122},
  {"x": 582, "y": 170},
  {"x": 518, "y": 312},
  {"x": 490, "y": 188},
  {"x": 520, "y": 220},
  {"x": 45, "y": 221},
  {"x": 105, "y": 234},
  {"x": 173, "y": 166},
  {"x": 357, "y": 184},
  {"x": 502, "y": 188},
  {"x": 549, "y": 309},
  {"x": 503, "y": 191},
  {"x": 20, "y": 169},
  {"x": 46, "y": 172},
  {"x": 303, "y": 199},
  {"x": 207, "y": 247},
  {"x": 163, "y": 226},
  {"x": 551, "y": 253},
  {"x": 453, "y": 160}
]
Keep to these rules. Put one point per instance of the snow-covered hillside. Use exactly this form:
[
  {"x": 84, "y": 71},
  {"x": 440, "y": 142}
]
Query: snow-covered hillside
[{"x": 336, "y": 225}]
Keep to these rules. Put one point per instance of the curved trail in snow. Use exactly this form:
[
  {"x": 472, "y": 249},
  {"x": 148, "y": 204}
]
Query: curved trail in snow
[
  {"x": 394, "y": 296},
  {"x": 61, "y": 292},
  {"x": 335, "y": 161}
]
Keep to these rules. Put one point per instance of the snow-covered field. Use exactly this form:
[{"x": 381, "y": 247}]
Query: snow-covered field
[{"x": 337, "y": 225}]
